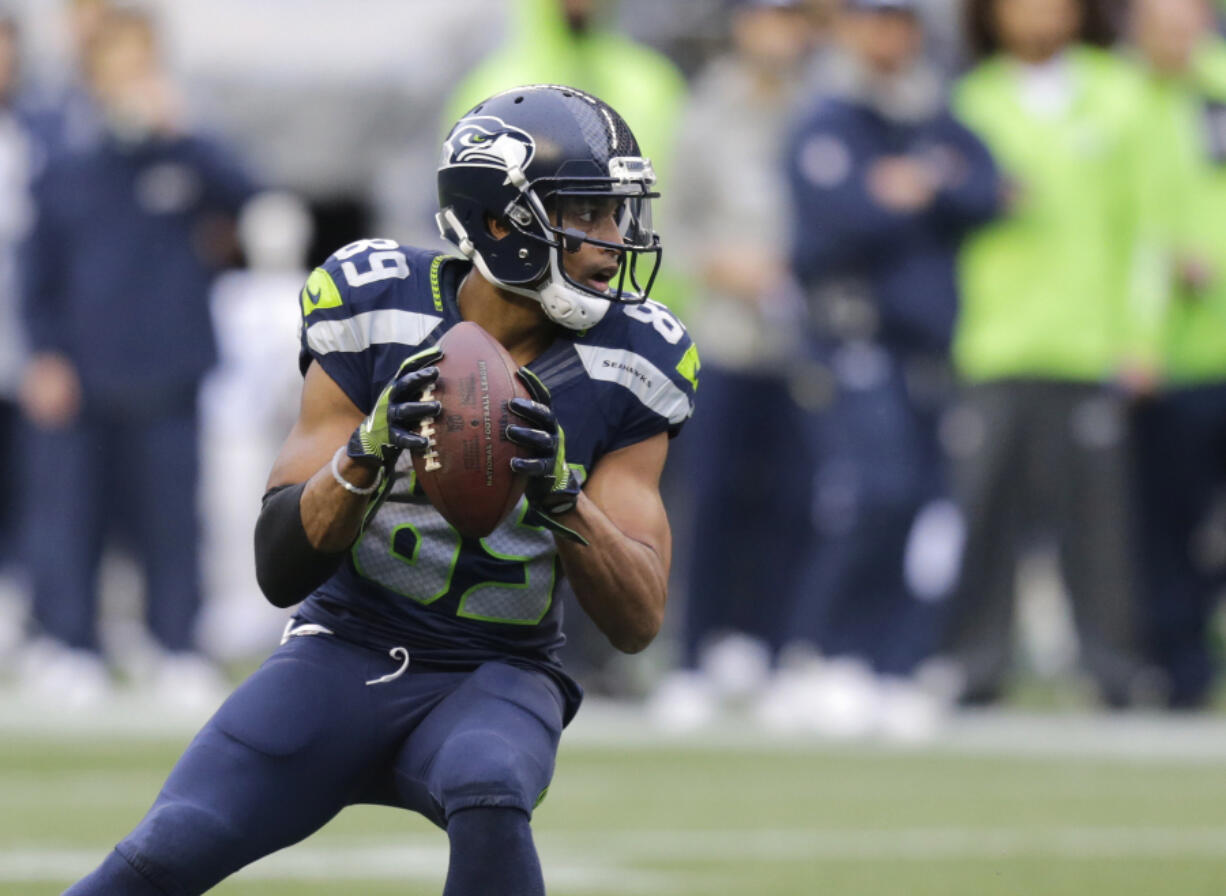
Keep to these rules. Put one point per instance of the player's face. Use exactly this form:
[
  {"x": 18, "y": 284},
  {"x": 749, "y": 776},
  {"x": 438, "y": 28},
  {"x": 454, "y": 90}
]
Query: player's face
[
  {"x": 597, "y": 218},
  {"x": 1035, "y": 30}
]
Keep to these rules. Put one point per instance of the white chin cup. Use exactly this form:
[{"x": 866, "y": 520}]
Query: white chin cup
[
  {"x": 571, "y": 308},
  {"x": 566, "y": 305}
]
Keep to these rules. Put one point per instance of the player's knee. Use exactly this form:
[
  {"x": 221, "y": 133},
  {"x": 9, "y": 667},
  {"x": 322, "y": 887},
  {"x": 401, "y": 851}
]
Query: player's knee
[
  {"x": 482, "y": 768},
  {"x": 182, "y": 849}
]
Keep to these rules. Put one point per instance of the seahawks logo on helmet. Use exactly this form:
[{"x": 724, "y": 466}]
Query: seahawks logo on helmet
[{"x": 488, "y": 142}]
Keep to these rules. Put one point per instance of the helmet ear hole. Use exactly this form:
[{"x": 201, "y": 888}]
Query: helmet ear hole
[{"x": 498, "y": 228}]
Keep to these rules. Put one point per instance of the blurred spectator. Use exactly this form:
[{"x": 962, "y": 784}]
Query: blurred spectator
[
  {"x": 247, "y": 406},
  {"x": 128, "y": 233},
  {"x": 1181, "y": 431},
  {"x": 25, "y": 134},
  {"x": 730, "y": 208},
  {"x": 567, "y": 41},
  {"x": 885, "y": 184},
  {"x": 1046, "y": 339}
]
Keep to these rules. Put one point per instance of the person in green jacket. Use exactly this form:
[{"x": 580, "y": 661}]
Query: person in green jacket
[
  {"x": 1046, "y": 331},
  {"x": 1181, "y": 429},
  {"x": 573, "y": 42}
]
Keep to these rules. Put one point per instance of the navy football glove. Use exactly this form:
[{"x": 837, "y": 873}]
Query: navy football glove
[
  {"x": 400, "y": 408},
  {"x": 553, "y": 487}
]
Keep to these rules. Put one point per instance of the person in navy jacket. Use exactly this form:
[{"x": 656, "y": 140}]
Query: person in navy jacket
[
  {"x": 128, "y": 233},
  {"x": 884, "y": 183}
]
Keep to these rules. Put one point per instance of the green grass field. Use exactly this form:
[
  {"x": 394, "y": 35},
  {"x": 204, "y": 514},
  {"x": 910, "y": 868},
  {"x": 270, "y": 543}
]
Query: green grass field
[{"x": 971, "y": 815}]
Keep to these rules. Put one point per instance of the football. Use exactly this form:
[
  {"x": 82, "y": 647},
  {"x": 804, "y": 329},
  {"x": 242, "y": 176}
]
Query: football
[{"x": 466, "y": 470}]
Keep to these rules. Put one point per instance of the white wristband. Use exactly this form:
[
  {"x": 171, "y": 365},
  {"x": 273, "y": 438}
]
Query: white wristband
[{"x": 349, "y": 486}]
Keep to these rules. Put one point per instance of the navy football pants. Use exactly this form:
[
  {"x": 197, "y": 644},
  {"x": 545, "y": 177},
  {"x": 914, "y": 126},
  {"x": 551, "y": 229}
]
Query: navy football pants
[{"x": 305, "y": 736}]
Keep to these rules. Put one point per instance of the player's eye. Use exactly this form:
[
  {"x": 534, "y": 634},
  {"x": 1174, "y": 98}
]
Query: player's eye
[{"x": 589, "y": 212}]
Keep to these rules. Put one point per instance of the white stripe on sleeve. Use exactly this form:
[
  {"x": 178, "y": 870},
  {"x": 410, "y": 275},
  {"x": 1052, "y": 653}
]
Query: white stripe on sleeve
[{"x": 357, "y": 333}]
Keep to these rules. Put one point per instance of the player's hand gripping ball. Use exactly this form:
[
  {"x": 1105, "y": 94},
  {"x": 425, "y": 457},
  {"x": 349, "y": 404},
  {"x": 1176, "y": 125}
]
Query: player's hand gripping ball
[
  {"x": 399, "y": 409},
  {"x": 464, "y": 463},
  {"x": 553, "y": 488}
]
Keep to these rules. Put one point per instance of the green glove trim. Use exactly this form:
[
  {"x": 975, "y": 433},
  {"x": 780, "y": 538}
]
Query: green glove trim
[{"x": 372, "y": 438}]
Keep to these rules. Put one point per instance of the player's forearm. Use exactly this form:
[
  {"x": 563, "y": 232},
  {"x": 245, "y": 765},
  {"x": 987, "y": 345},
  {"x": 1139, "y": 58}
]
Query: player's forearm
[
  {"x": 290, "y": 563},
  {"x": 332, "y": 515},
  {"x": 621, "y": 583}
]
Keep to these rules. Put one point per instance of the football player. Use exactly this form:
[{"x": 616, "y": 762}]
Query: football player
[{"x": 421, "y": 668}]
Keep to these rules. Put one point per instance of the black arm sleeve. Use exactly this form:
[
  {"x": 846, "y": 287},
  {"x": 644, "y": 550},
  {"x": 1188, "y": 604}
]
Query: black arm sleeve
[{"x": 287, "y": 566}]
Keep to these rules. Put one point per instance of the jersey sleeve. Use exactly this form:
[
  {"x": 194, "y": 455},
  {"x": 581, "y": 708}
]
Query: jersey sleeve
[
  {"x": 362, "y": 312},
  {"x": 654, "y": 363}
]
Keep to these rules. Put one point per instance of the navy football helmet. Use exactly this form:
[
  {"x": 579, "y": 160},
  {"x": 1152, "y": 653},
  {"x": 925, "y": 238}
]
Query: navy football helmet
[{"x": 518, "y": 158}]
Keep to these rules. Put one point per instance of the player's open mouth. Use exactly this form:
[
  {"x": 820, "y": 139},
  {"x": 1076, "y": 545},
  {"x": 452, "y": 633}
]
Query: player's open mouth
[{"x": 600, "y": 281}]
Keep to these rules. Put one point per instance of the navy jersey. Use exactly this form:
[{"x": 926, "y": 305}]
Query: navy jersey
[{"x": 410, "y": 579}]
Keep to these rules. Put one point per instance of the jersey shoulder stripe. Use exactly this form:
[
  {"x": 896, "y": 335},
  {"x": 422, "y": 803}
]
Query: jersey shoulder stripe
[
  {"x": 646, "y": 353},
  {"x": 646, "y": 382}
]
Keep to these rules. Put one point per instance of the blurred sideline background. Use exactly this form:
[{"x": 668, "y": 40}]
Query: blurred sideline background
[
  {"x": 343, "y": 113},
  {"x": 872, "y": 727}
]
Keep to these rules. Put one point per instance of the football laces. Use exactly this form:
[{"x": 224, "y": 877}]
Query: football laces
[{"x": 426, "y": 431}]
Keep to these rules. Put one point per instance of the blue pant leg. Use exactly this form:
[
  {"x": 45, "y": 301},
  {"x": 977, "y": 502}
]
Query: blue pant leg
[
  {"x": 1179, "y": 438},
  {"x": 118, "y": 877},
  {"x": 63, "y": 521},
  {"x": 492, "y": 742},
  {"x": 741, "y": 450},
  {"x": 292, "y": 746},
  {"x": 718, "y": 559},
  {"x": 873, "y": 475},
  {"x": 492, "y": 853},
  {"x": 11, "y": 429},
  {"x": 777, "y": 520},
  {"x": 166, "y": 525},
  {"x": 919, "y": 625}
]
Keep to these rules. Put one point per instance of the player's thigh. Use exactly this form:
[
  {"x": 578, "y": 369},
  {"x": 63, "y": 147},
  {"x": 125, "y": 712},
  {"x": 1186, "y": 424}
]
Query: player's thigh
[
  {"x": 491, "y": 742},
  {"x": 290, "y": 748}
]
